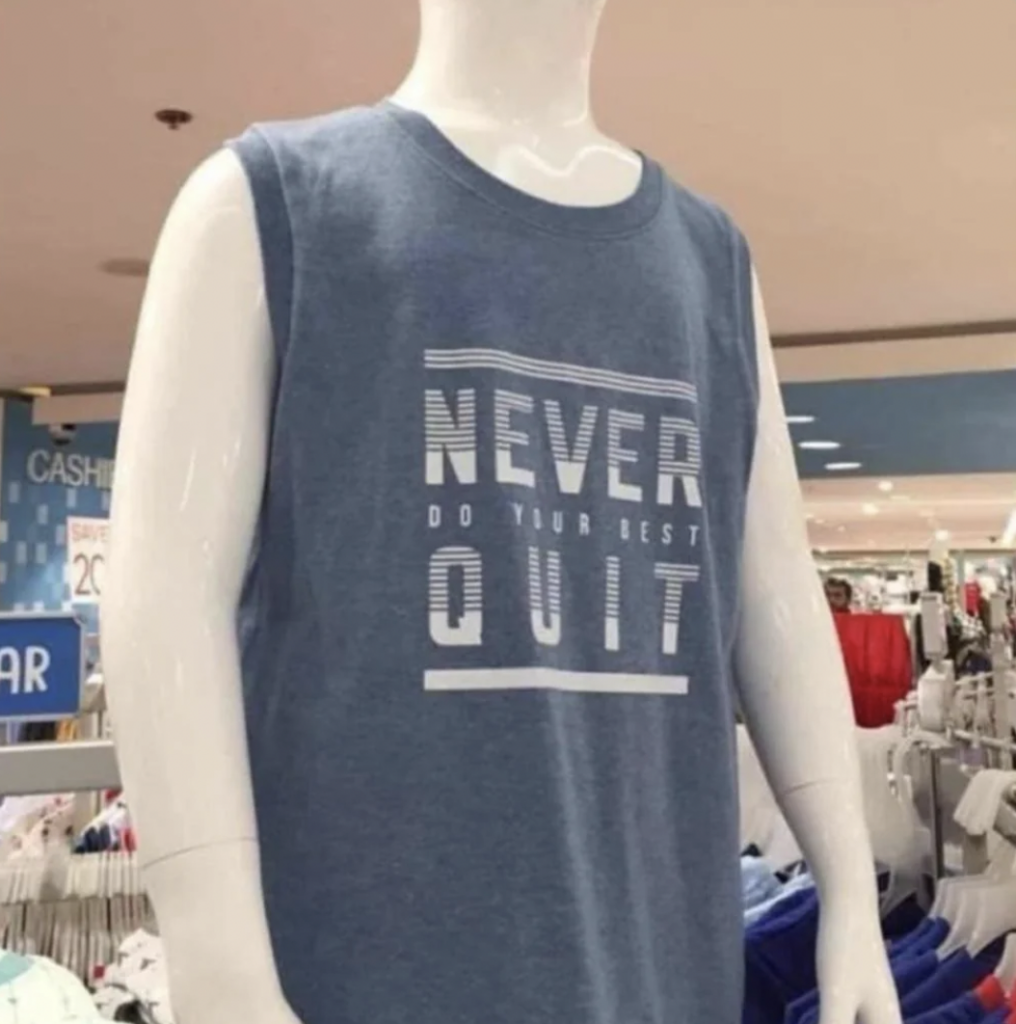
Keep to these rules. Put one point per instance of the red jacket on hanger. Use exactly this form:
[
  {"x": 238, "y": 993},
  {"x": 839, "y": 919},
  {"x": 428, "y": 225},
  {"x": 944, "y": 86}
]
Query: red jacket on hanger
[{"x": 876, "y": 651}]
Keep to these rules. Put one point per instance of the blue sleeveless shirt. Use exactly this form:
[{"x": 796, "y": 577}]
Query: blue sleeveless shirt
[{"x": 488, "y": 621}]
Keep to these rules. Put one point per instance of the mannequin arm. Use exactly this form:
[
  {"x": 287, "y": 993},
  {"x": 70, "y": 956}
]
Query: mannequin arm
[
  {"x": 190, "y": 471},
  {"x": 796, "y": 705}
]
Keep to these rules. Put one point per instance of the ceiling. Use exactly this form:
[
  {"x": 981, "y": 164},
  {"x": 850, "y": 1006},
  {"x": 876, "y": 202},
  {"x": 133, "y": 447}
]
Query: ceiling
[
  {"x": 868, "y": 149},
  {"x": 968, "y": 512},
  {"x": 935, "y": 420}
]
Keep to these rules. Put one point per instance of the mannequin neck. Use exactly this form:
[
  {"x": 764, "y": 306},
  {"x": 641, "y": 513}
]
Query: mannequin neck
[{"x": 505, "y": 62}]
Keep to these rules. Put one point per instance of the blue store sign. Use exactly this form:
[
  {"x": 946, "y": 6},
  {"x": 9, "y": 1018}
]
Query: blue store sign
[{"x": 42, "y": 666}]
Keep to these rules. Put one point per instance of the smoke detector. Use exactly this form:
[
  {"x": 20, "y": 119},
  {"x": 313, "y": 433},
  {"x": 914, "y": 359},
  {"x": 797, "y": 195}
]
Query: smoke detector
[{"x": 173, "y": 118}]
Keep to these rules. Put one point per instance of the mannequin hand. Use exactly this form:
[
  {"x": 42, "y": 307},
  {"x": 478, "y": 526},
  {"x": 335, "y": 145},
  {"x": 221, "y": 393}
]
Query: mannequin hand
[{"x": 854, "y": 980}]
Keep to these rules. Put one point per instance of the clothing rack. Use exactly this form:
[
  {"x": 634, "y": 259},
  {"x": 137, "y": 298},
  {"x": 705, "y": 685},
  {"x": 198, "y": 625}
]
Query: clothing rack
[
  {"x": 948, "y": 770},
  {"x": 947, "y": 782}
]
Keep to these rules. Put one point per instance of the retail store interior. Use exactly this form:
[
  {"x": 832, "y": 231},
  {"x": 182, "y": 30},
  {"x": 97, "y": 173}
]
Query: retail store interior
[{"x": 508, "y": 512}]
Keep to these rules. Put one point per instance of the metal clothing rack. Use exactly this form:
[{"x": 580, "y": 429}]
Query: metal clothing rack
[
  {"x": 37, "y": 768},
  {"x": 947, "y": 775},
  {"x": 947, "y": 780},
  {"x": 83, "y": 766}
]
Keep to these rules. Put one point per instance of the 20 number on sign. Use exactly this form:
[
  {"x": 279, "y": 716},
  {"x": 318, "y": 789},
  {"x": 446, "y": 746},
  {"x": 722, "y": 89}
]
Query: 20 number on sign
[{"x": 87, "y": 540}]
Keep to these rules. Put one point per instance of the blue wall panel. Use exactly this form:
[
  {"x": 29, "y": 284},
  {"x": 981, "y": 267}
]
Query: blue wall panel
[
  {"x": 42, "y": 484},
  {"x": 910, "y": 426}
]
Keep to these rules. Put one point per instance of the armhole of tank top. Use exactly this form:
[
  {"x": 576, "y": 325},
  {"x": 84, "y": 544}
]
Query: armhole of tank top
[
  {"x": 275, "y": 231},
  {"x": 747, "y": 358},
  {"x": 747, "y": 330}
]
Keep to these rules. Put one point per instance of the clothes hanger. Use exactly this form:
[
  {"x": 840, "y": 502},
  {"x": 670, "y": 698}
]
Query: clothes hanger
[
  {"x": 911, "y": 837},
  {"x": 976, "y": 814},
  {"x": 978, "y": 808},
  {"x": 962, "y": 916},
  {"x": 983, "y": 909},
  {"x": 949, "y": 893},
  {"x": 992, "y": 914}
]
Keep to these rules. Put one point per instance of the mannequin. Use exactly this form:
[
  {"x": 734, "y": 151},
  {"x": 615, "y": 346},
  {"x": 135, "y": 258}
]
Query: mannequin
[{"x": 508, "y": 83}]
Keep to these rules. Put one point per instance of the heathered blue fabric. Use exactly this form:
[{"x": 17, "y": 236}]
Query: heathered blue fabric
[{"x": 443, "y": 843}]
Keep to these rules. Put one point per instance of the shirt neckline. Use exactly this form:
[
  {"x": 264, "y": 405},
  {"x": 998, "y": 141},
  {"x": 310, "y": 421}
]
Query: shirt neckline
[{"x": 624, "y": 217}]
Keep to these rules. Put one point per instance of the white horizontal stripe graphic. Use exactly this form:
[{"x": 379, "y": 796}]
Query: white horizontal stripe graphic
[
  {"x": 542, "y": 369},
  {"x": 464, "y": 679}
]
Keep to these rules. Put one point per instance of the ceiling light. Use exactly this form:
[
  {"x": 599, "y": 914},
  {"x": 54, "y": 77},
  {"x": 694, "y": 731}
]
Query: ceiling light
[
  {"x": 885, "y": 486},
  {"x": 800, "y": 420},
  {"x": 869, "y": 509},
  {"x": 819, "y": 446},
  {"x": 942, "y": 535},
  {"x": 842, "y": 467},
  {"x": 820, "y": 522},
  {"x": 125, "y": 266}
]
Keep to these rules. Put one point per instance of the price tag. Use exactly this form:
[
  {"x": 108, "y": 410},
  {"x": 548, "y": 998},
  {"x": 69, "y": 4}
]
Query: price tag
[{"x": 86, "y": 558}]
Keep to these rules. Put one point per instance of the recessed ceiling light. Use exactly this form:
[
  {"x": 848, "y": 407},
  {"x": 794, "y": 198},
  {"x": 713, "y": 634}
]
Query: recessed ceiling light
[
  {"x": 126, "y": 266},
  {"x": 820, "y": 522},
  {"x": 885, "y": 486},
  {"x": 869, "y": 509},
  {"x": 942, "y": 535},
  {"x": 819, "y": 446},
  {"x": 802, "y": 420},
  {"x": 842, "y": 467}
]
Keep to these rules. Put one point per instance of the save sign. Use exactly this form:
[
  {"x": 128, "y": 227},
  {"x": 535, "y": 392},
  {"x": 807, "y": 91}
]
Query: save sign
[{"x": 87, "y": 540}]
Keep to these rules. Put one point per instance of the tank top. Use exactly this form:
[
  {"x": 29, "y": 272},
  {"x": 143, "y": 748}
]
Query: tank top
[{"x": 488, "y": 621}]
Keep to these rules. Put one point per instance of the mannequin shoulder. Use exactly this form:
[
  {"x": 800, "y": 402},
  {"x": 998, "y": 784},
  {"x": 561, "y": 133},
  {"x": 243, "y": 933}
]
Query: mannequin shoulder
[
  {"x": 216, "y": 198},
  {"x": 207, "y": 273},
  {"x": 209, "y": 252}
]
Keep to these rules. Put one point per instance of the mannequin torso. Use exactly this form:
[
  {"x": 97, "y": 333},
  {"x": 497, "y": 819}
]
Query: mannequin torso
[{"x": 192, "y": 466}]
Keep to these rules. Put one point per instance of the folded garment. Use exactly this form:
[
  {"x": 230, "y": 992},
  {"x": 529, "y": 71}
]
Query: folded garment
[
  {"x": 34, "y": 990},
  {"x": 903, "y": 919},
  {"x": 759, "y": 883},
  {"x": 135, "y": 987},
  {"x": 790, "y": 890},
  {"x": 926, "y": 937},
  {"x": 957, "y": 975},
  {"x": 779, "y": 959}
]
